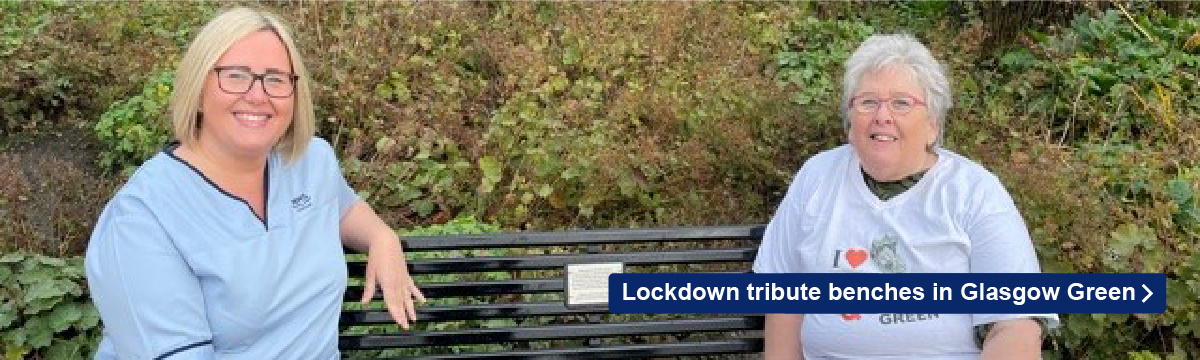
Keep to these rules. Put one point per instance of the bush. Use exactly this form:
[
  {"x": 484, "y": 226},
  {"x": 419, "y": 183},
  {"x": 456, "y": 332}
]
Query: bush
[
  {"x": 1106, "y": 77},
  {"x": 134, "y": 128},
  {"x": 45, "y": 313}
]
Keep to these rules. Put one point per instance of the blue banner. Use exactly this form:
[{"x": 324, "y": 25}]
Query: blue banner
[{"x": 838, "y": 293}]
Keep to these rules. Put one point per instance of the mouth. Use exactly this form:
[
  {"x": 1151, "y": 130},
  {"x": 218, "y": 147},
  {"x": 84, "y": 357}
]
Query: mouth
[
  {"x": 883, "y": 138},
  {"x": 251, "y": 120}
]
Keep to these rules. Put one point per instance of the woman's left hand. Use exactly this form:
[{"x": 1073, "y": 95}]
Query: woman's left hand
[{"x": 387, "y": 270}]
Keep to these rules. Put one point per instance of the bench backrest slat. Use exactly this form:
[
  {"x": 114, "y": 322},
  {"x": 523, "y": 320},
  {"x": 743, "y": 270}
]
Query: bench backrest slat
[
  {"x": 608, "y": 236},
  {"x": 543, "y": 262}
]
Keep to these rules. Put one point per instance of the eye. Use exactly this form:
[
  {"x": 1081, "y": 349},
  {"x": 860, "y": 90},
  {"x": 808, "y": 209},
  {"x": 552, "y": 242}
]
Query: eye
[
  {"x": 235, "y": 75},
  {"x": 902, "y": 103},
  {"x": 276, "y": 79},
  {"x": 868, "y": 102}
]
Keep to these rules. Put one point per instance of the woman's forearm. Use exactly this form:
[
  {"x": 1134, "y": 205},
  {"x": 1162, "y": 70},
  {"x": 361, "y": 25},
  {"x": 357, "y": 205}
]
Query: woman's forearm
[{"x": 782, "y": 336}]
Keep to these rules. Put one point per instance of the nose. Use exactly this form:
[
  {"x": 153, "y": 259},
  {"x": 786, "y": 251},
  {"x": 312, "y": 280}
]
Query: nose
[
  {"x": 880, "y": 117},
  {"x": 257, "y": 92}
]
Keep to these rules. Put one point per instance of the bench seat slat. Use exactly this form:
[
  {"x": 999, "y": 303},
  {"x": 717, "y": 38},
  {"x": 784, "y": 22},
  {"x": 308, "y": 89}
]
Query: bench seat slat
[
  {"x": 736, "y": 346},
  {"x": 553, "y": 332},
  {"x": 557, "y": 261}
]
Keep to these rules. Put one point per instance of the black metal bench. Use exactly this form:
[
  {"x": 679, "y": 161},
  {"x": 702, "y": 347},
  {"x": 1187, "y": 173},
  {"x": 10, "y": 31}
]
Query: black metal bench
[{"x": 501, "y": 296}]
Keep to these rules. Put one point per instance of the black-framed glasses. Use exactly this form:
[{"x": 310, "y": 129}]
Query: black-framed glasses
[
  {"x": 899, "y": 105},
  {"x": 239, "y": 80}
]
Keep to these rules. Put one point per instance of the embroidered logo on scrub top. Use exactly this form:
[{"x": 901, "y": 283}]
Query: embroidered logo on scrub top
[
  {"x": 301, "y": 203},
  {"x": 884, "y": 255}
]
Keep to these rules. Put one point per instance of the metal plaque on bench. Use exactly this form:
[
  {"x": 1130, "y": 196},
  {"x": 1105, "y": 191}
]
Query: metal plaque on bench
[{"x": 587, "y": 284}]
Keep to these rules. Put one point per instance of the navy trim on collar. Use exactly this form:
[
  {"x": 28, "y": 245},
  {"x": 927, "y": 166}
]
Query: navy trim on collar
[{"x": 170, "y": 151}]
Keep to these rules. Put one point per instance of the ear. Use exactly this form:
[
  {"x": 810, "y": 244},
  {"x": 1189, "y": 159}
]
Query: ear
[{"x": 934, "y": 132}]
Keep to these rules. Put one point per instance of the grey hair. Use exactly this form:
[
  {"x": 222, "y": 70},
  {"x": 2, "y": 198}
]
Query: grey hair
[{"x": 879, "y": 51}]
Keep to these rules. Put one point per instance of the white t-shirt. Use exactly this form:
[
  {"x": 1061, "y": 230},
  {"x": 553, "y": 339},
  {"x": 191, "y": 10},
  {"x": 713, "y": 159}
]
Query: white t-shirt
[{"x": 958, "y": 218}]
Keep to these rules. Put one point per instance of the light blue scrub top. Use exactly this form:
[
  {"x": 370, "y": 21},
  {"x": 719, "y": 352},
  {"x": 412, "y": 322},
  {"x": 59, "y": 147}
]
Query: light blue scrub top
[{"x": 181, "y": 269}]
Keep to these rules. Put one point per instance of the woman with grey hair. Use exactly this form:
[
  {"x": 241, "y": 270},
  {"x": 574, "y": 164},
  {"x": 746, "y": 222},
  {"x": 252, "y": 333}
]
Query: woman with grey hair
[{"x": 894, "y": 201}]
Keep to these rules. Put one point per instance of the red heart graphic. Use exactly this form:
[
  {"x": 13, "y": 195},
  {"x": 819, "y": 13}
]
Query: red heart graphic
[
  {"x": 856, "y": 257},
  {"x": 851, "y": 317}
]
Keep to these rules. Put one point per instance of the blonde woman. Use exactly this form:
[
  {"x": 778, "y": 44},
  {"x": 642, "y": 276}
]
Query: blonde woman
[{"x": 228, "y": 243}]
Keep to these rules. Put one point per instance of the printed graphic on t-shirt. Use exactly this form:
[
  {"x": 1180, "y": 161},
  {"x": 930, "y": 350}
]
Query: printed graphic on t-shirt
[
  {"x": 883, "y": 254},
  {"x": 900, "y": 319},
  {"x": 851, "y": 318},
  {"x": 851, "y": 258}
]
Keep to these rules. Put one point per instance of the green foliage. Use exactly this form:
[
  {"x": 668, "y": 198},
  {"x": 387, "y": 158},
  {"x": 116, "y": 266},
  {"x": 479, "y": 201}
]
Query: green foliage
[
  {"x": 1107, "y": 77},
  {"x": 811, "y": 63},
  {"x": 134, "y": 128},
  {"x": 33, "y": 89},
  {"x": 429, "y": 181},
  {"x": 45, "y": 313},
  {"x": 463, "y": 225}
]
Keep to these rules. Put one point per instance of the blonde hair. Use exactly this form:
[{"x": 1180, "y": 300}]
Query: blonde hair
[{"x": 213, "y": 40}]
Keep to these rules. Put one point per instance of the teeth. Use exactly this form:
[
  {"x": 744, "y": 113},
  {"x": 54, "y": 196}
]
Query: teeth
[
  {"x": 249, "y": 117},
  {"x": 883, "y": 137}
]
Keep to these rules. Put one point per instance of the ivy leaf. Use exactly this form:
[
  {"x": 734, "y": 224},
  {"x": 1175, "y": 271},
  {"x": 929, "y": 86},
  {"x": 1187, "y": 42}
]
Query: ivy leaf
[
  {"x": 1179, "y": 190},
  {"x": 14, "y": 341},
  {"x": 491, "y": 173},
  {"x": 8, "y": 315},
  {"x": 424, "y": 207},
  {"x": 12, "y": 257},
  {"x": 5, "y": 273},
  {"x": 89, "y": 320},
  {"x": 1128, "y": 237},
  {"x": 39, "y": 333},
  {"x": 63, "y": 316},
  {"x": 45, "y": 289},
  {"x": 61, "y": 349}
]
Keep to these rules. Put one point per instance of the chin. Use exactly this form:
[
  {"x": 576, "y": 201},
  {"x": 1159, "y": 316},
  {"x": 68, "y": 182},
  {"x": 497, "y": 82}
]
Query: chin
[{"x": 258, "y": 145}]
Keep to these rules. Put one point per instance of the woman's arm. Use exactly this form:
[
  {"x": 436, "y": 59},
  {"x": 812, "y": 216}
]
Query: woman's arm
[
  {"x": 1013, "y": 339},
  {"x": 783, "y": 337},
  {"x": 149, "y": 300},
  {"x": 363, "y": 230}
]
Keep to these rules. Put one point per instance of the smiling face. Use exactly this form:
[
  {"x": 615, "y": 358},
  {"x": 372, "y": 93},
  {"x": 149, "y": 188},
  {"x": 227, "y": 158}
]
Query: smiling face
[
  {"x": 892, "y": 146},
  {"x": 247, "y": 124}
]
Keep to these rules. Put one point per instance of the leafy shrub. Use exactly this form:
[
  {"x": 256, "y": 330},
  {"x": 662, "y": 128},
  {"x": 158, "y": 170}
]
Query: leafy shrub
[
  {"x": 1103, "y": 99},
  {"x": 134, "y": 128},
  {"x": 33, "y": 88},
  {"x": 1108, "y": 77},
  {"x": 45, "y": 313}
]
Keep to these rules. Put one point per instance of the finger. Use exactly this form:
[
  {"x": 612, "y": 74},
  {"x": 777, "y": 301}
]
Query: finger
[
  {"x": 410, "y": 307},
  {"x": 417, "y": 291},
  {"x": 395, "y": 309},
  {"x": 368, "y": 285}
]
